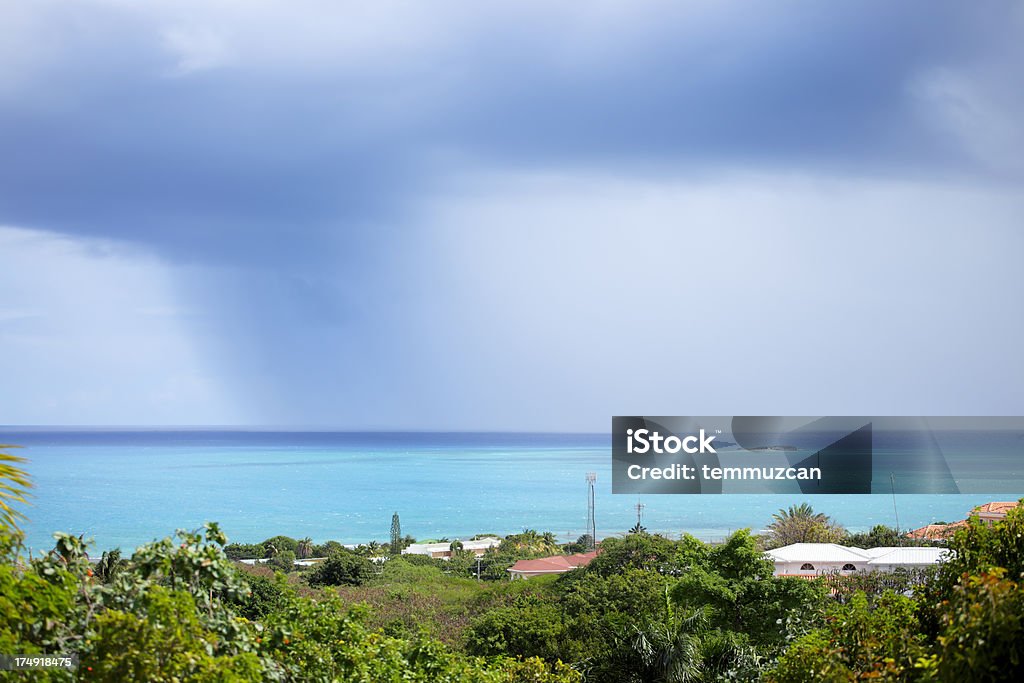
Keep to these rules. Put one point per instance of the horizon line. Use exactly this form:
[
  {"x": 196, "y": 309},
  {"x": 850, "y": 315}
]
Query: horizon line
[{"x": 285, "y": 428}]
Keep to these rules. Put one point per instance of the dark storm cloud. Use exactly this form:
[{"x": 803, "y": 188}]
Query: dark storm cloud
[
  {"x": 430, "y": 215},
  {"x": 257, "y": 161}
]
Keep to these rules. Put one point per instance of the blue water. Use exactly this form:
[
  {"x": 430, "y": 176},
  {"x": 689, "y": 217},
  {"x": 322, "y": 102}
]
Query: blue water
[{"x": 123, "y": 489}]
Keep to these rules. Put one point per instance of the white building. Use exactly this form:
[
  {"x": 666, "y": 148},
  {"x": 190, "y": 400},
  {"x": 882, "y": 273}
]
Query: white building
[
  {"x": 444, "y": 550},
  {"x": 886, "y": 559},
  {"x": 810, "y": 559}
]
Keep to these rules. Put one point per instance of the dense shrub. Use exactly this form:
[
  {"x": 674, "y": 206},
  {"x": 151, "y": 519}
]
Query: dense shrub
[
  {"x": 180, "y": 611},
  {"x": 342, "y": 569}
]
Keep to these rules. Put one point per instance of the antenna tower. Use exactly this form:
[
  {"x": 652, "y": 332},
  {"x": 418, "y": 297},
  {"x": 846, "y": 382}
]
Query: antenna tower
[{"x": 591, "y": 524}]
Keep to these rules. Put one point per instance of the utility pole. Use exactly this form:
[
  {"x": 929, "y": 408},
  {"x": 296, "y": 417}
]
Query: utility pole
[
  {"x": 591, "y": 524},
  {"x": 892, "y": 484}
]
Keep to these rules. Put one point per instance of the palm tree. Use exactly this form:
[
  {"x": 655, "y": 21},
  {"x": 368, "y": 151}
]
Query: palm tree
[
  {"x": 304, "y": 548},
  {"x": 684, "y": 647},
  {"x": 801, "y": 524},
  {"x": 670, "y": 651},
  {"x": 801, "y": 511},
  {"x": 531, "y": 541},
  {"x": 14, "y": 486},
  {"x": 109, "y": 565}
]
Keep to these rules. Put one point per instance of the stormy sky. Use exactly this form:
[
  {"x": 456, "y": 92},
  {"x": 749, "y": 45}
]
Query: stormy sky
[{"x": 508, "y": 215}]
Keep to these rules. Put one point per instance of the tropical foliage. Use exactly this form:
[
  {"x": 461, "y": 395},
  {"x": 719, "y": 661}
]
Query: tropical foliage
[
  {"x": 801, "y": 524},
  {"x": 647, "y": 609},
  {"x": 179, "y": 610},
  {"x": 14, "y": 486}
]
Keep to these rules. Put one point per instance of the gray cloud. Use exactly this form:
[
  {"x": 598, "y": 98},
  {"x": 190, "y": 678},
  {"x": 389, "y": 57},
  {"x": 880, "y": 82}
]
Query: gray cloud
[
  {"x": 343, "y": 204},
  {"x": 212, "y": 135}
]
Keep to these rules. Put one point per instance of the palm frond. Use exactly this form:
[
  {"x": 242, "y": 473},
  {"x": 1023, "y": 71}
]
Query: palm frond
[{"x": 14, "y": 486}]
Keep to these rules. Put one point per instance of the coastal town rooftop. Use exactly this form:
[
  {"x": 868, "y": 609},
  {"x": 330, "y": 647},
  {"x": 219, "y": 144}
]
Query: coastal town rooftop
[
  {"x": 556, "y": 564},
  {"x": 443, "y": 550},
  {"x": 989, "y": 512},
  {"x": 810, "y": 559}
]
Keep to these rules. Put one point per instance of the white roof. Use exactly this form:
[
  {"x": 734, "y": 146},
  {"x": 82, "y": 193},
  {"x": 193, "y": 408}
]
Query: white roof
[
  {"x": 908, "y": 556},
  {"x": 428, "y": 548},
  {"x": 818, "y": 552},
  {"x": 832, "y": 552}
]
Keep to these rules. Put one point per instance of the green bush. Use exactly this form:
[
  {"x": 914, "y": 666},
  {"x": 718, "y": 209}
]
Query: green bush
[
  {"x": 341, "y": 569},
  {"x": 859, "y": 641},
  {"x": 526, "y": 629},
  {"x": 983, "y": 635},
  {"x": 284, "y": 561}
]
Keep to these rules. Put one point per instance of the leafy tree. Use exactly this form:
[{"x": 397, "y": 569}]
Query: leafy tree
[
  {"x": 733, "y": 583},
  {"x": 420, "y": 560},
  {"x": 461, "y": 563},
  {"x": 973, "y": 595},
  {"x": 581, "y": 545},
  {"x": 983, "y": 630},
  {"x": 882, "y": 536},
  {"x": 980, "y": 547},
  {"x": 284, "y": 561},
  {"x": 531, "y": 628},
  {"x": 327, "y": 549},
  {"x": 266, "y": 595},
  {"x": 874, "y": 583},
  {"x": 245, "y": 551},
  {"x": 342, "y": 568},
  {"x": 164, "y": 640},
  {"x": 279, "y": 544},
  {"x": 858, "y": 642},
  {"x": 599, "y": 609},
  {"x": 640, "y": 551}
]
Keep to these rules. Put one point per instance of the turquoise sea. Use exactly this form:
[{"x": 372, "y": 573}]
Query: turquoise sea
[{"x": 124, "y": 488}]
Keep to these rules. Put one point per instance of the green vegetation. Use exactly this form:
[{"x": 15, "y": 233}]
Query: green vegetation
[
  {"x": 343, "y": 568},
  {"x": 647, "y": 609},
  {"x": 800, "y": 524},
  {"x": 396, "y": 535},
  {"x": 14, "y": 486},
  {"x": 181, "y": 610},
  {"x": 966, "y": 622}
]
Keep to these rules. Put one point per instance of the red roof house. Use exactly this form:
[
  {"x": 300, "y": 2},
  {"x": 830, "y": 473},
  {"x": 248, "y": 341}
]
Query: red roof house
[
  {"x": 993, "y": 512},
  {"x": 557, "y": 564}
]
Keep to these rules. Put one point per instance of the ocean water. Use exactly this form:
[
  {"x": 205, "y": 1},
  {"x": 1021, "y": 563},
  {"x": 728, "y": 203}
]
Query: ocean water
[{"x": 125, "y": 488}]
